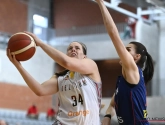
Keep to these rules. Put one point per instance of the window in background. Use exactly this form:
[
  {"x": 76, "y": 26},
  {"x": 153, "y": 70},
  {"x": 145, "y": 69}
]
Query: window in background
[
  {"x": 40, "y": 26},
  {"x": 40, "y": 21}
]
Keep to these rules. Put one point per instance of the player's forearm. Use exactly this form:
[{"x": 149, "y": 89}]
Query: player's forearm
[
  {"x": 111, "y": 107},
  {"x": 108, "y": 21},
  {"x": 55, "y": 54},
  {"x": 110, "y": 111},
  {"x": 30, "y": 81},
  {"x": 112, "y": 30}
]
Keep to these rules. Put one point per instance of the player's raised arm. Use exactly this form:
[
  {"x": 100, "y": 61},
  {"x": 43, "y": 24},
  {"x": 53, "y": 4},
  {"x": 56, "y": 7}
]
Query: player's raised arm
[
  {"x": 112, "y": 30},
  {"x": 75, "y": 60}
]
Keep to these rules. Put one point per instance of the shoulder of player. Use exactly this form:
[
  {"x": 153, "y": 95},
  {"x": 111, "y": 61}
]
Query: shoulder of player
[{"x": 90, "y": 60}]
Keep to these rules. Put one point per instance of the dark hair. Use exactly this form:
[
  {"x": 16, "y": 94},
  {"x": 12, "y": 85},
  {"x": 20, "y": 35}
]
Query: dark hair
[
  {"x": 62, "y": 73},
  {"x": 145, "y": 62},
  {"x": 85, "y": 53},
  {"x": 84, "y": 48}
]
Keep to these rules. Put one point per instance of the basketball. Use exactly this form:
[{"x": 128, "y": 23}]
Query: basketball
[{"x": 22, "y": 46}]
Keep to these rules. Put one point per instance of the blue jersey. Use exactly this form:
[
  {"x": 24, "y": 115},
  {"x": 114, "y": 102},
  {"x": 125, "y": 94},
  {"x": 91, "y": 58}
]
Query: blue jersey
[{"x": 130, "y": 102}]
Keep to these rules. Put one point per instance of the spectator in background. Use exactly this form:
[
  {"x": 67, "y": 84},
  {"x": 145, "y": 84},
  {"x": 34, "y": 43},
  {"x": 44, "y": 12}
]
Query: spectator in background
[
  {"x": 130, "y": 28},
  {"x": 32, "y": 112},
  {"x": 51, "y": 114},
  {"x": 2, "y": 122},
  {"x": 127, "y": 32},
  {"x": 132, "y": 23}
]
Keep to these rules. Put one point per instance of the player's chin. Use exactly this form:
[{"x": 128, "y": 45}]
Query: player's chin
[{"x": 74, "y": 57}]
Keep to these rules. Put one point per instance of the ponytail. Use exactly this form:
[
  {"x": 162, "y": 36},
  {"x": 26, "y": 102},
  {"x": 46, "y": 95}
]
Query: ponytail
[
  {"x": 149, "y": 68},
  {"x": 145, "y": 62}
]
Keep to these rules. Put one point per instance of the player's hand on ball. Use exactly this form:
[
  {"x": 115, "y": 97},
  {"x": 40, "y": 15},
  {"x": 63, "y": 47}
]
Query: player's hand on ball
[
  {"x": 36, "y": 39},
  {"x": 106, "y": 121},
  {"x": 12, "y": 57}
]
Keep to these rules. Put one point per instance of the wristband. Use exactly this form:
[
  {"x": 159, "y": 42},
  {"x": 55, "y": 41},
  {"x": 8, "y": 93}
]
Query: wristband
[{"x": 108, "y": 115}]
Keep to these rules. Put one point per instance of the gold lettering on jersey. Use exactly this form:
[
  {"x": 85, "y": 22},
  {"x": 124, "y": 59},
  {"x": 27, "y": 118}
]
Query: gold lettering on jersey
[
  {"x": 81, "y": 112},
  {"x": 145, "y": 113}
]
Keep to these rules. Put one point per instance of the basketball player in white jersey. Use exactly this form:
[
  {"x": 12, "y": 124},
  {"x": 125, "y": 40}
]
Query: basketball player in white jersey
[{"x": 79, "y": 87}]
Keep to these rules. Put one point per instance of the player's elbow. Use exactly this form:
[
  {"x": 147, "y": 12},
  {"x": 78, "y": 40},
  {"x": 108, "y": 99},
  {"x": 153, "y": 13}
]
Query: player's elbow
[
  {"x": 68, "y": 65},
  {"x": 39, "y": 93}
]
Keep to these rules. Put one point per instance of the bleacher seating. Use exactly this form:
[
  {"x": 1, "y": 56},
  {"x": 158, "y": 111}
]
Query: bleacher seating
[{"x": 18, "y": 117}]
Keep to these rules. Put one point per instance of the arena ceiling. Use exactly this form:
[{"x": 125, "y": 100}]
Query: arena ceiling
[{"x": 154, "y": 8}]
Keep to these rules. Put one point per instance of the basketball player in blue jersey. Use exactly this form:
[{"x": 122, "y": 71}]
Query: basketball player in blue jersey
[
  {"x": 129, "y": 100},
  {"x": 78, "y": 87}
]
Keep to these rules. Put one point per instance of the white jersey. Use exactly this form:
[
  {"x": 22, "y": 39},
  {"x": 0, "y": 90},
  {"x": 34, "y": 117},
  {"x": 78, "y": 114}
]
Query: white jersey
[{"x": 79, "y": 100}]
